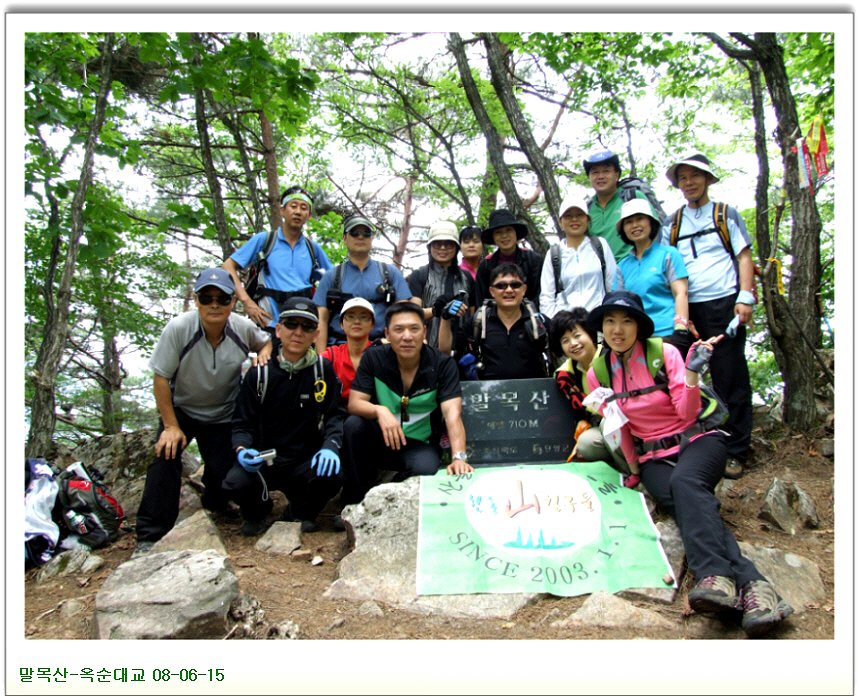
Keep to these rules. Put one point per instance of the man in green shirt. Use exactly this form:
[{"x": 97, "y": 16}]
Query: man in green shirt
[{"x": 603, "y": 170}]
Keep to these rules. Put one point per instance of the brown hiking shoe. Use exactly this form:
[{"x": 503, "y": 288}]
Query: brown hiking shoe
[
  {"x": 763, "y": 609},
  {"x": 733, "y": 468},
  {"x": 714, "y": 593}
]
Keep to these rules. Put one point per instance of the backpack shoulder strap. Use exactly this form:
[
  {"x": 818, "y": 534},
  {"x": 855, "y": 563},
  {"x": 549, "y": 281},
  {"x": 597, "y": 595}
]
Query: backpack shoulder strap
[
  {"x": 720, "y": 222},
  {"x": 230, "y": 333},
  {"x": 310, "y": 250},
  {"x": 555, "y": 257},
  {"x": 262, "y": 381},
  {"x": 676, "y": 220},
  {"x": 598, "y": 250},
  {"x": 338, "y": 277},
  {"x": 654, "y": 355},
  {"x": 198, "y": 334},
  {"x": 600, "y": 367}
]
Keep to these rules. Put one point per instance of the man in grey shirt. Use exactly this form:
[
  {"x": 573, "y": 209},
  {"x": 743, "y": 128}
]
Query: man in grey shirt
[{"x": 197, "y": 364}]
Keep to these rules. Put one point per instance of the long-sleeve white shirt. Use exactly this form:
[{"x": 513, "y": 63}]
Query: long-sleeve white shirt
[{"x": 581, "y": 277}]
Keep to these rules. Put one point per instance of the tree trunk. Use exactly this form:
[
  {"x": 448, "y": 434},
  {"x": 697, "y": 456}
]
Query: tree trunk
[
  {"x": 111, "y": 370},
  {"x": 542, "y": 166},
  {"x": 220, "y": 220},
  {"x": 494, "y": 145},
  {"x": 799, "y": 316},
  {"x": 43, "y": 417},
  {"x": 402, "y": 242},
  {"x": 270, "y": 159}
]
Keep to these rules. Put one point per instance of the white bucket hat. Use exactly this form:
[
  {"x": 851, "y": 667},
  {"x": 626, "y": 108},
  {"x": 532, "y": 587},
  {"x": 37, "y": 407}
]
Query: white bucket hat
[
  {"x": 443, "y": 231},
  {"x": 637, "y": 206},
  {"x": 696, "y": 160}
]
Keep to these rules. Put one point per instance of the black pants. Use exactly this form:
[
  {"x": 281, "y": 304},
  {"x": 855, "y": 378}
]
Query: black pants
[
  {"x": 159, "y": 506},
  {"x": 686, "y": 492},
  {"x": 729, "y": 370},
  {"x": 307, "y": 492},
  {"x": 366, "y": 453}
]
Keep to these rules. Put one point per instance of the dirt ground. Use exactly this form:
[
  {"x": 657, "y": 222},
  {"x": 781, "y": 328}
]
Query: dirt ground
[{"x": 292, "y": 590}]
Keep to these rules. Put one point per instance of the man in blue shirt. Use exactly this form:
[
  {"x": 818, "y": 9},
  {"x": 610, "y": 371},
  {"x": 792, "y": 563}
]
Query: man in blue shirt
[
  {"x": 289, "y": 268},
  {"x": 381, "y": 284}
]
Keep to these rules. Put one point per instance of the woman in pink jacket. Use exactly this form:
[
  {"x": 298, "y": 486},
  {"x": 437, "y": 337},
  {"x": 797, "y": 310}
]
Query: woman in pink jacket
[{"x": 680, "y": 464}]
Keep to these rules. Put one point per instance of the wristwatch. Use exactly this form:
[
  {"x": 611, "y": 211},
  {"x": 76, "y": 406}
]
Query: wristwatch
[{"x": 460, "y": 455}]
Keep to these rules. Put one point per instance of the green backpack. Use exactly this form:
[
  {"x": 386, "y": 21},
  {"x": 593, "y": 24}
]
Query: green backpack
[{"x": 713, "y": 413}]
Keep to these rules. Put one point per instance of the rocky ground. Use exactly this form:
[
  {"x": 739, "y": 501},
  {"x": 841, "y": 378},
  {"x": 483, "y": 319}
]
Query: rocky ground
[{"x": 292, "y": 590}]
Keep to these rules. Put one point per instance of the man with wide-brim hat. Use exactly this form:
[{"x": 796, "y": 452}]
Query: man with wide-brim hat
[
  {"x": 505, "y": 232},
  {"x": 721, "y": 284}
]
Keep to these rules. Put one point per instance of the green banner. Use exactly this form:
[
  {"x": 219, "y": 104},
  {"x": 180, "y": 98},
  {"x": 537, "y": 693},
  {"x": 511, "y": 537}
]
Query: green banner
[{"x": 565, "y": 529}]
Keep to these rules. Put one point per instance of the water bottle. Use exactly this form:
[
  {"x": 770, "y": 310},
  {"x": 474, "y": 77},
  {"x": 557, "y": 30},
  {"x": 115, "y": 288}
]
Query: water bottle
[{"x": 76, "y": 521}]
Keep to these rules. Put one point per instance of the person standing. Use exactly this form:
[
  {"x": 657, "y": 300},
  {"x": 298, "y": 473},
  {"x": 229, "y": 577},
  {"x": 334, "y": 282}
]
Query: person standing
[
  {"x": 471, "y": 247},
  {"x": 293, "y": 407},
  {"x": 402, "y": 392},
  {"x": 721, "y": 298},
  {"x": 580, "y": 271},
  {"x": 290, "y": 270},
  {"x": 603, "y": 171},
  {"x": 197, "y": 364},
  {"x": 656, "y": 273},
  {"x": 681, "y": 461},
  {"x": 505, "y": 232},
  {"x": 441, "y": 283},
  {"x": 381, "y": 284}
]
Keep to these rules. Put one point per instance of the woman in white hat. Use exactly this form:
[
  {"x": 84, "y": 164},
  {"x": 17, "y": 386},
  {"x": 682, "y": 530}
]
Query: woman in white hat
[
  {"x": 655, "y": 272},
  {"x": 581, "y": 269},
  {"x": 442, "y": 287},
  {"x": 357, "y": 319}
]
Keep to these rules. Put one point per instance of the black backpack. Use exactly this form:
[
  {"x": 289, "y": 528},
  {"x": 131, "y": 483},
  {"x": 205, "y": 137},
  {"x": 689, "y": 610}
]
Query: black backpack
[
  {"x": 336, "y": 298},
  {"x": 255, "y": 280},
  {"x": 630, "y": 184},
  {"x": 85, "y": 507}
]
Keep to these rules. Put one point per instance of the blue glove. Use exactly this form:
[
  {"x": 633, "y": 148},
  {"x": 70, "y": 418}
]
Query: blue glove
[
  {"x": 250, "y": 460},
  {"x": 451, "y": 309},
  {"x": 698, "y": 358},
  {"x": 731, "y": 330},
  {"x": 326, "y": 462},
  {"x": 468, "y": 363}
]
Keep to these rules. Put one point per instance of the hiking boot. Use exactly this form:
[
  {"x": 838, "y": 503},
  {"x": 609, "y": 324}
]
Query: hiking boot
[
  {"x": 143, "y": 547},
  {"x": 733, "y": 468},
  {"x": 763, "y": 609},
  {"x": 309, "y": 526},
  {"x": 714, "y": 593},
  {"x": 339, "y": 523},
  {"x": 253, "y": 527},
  {"x": 227, "y": 512}
]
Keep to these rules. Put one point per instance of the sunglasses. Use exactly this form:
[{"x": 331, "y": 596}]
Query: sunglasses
[
  {"x": 513, "y": 284},
  {"x": 360, "y": 233},
  {"x": 293, "y": 324},
  {"x": 443, "y": 245},
  {"x": 222, "y": 300}
]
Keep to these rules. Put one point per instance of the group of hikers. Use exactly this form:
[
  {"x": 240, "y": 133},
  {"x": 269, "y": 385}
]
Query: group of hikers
[{"x": 357, "y": 369}]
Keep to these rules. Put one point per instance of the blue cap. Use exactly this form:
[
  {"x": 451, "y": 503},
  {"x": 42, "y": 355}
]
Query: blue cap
[
  {"x": 216, "y": 277},
  {"x": 601, "y": 157}
]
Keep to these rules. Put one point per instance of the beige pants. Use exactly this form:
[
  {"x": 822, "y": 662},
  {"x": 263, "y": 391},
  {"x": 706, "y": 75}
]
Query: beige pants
[{"x": 592, "y": 447}]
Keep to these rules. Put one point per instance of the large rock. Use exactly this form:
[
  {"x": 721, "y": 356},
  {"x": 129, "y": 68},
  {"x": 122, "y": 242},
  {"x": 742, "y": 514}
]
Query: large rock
[
  {"x": 281, "y": 539},
  {"x": 788, "y": 507},
  {"x": 174, "y": 594},
  {"x": 605, "y": 610},
  {"x": 195, "y": 533},
  {"x": 382, "y": 565},
  {"x": 795, "y": 578}
]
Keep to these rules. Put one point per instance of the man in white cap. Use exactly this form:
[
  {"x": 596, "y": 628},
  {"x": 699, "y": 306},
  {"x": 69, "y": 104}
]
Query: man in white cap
[
  {"x": 197, "y": 364},
  {"x": 381, "y": 284},
  {"x": 721, "y": 299},
  {"x": 441, "y": 286},
  {"x": 292, "y": 267}
]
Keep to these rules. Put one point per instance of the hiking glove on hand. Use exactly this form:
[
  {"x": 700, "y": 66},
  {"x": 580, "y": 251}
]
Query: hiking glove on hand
[
  {"x": 698, "y": 358},
  {"x": 250, "y": 460},
  {"x": 468, "y": 363},
  {"x": 326, "y": 462},
  {"x": 439, "y": 306},
  {"x": 451, "y": 309}
]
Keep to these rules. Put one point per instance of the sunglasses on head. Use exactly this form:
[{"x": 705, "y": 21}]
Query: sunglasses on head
[
  {"x": 361, "y": 233},
  {"x": 503, "y": 285},
  {"x": 222, "y": 300},
  {"x": 293, "y": 324}
]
